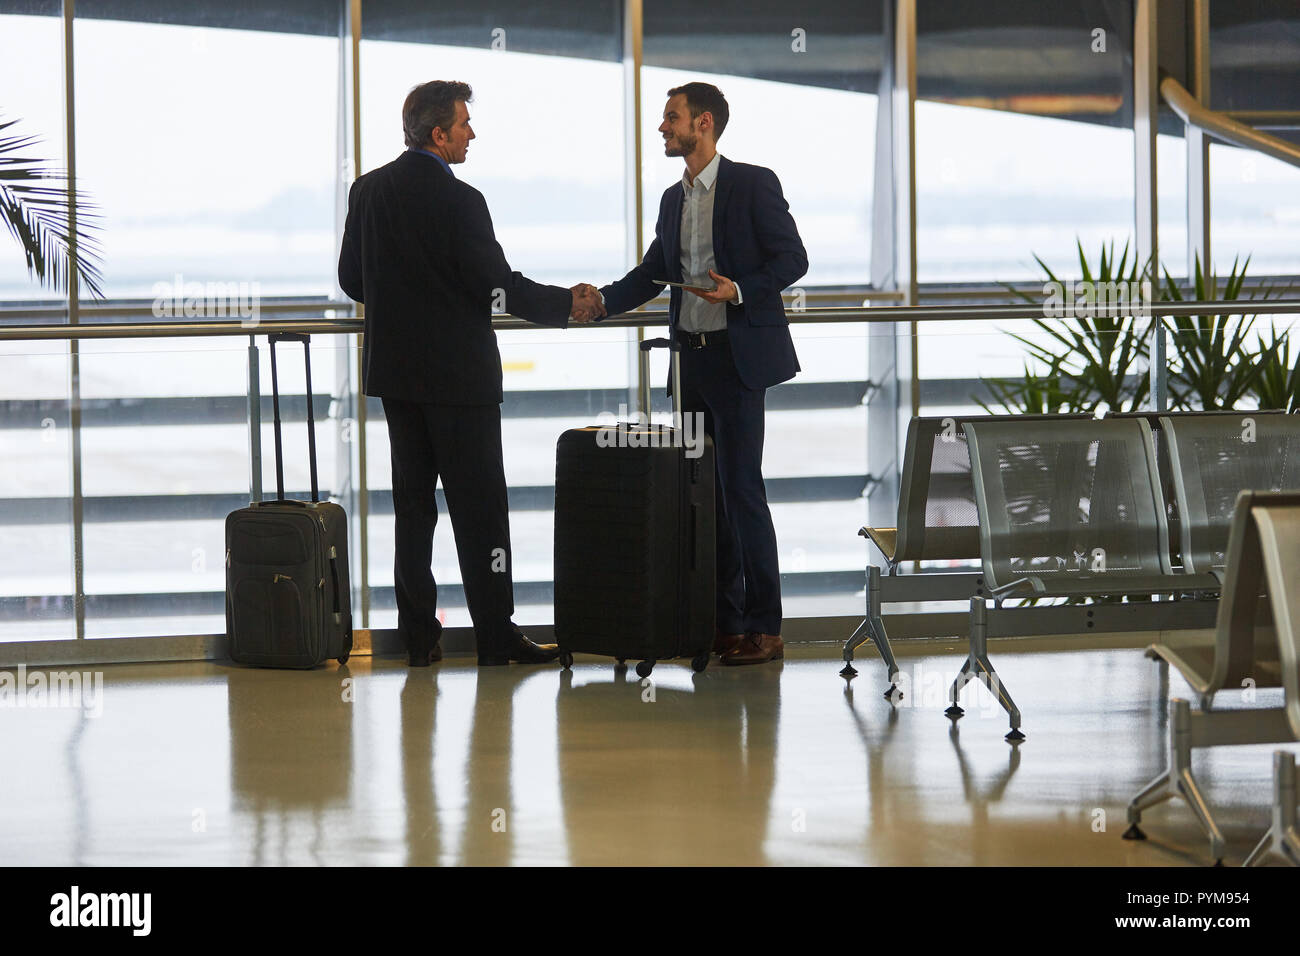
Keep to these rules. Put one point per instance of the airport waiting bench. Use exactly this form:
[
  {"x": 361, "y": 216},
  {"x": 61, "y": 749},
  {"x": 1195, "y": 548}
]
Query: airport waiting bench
[
  {"x": 937, "y": 521},
  {"x": 1255, "y": 644},
  {"x": 1283, "y": 837},
  {"x": 1230, "y": 424},
  {"x": 1076, "y": 509}
]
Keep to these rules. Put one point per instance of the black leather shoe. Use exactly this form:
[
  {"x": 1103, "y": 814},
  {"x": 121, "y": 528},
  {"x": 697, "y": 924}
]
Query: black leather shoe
[
  {"x": 424, "y": 656},
  {"x": 523, "y": 651}
]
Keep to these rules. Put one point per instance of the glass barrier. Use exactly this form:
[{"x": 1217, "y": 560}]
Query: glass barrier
[
  {"x": 36, "y": 549},
  {"x": 814, "y": 466}
]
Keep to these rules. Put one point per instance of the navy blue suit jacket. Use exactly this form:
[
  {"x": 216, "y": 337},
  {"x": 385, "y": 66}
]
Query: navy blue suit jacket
[
  {"x": 419, "y": 250},
  {"x": 755, "y": 244}
]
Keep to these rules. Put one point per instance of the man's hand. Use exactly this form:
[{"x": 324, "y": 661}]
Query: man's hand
[
  {"x": 586, "y": 303},
  {"x": 725, "y": 292}
]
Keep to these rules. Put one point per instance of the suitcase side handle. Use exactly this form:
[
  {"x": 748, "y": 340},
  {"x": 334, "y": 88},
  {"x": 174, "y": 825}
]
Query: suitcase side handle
[
  {"x": 275, "y": 405},
  {"x": 695, "y": 536},
  {"x": 334, "y": 581}
]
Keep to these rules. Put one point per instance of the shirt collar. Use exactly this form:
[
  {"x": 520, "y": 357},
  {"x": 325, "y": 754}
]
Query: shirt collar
[
  {"x": 445, "y": 164},
  {"x": 708, "y": 175}
]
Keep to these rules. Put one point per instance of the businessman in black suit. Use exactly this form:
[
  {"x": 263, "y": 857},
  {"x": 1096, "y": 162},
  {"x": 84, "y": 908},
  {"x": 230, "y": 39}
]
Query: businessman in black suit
[
  {"x": 420, "y": 253},
  {"x": 726, "y": 229}
]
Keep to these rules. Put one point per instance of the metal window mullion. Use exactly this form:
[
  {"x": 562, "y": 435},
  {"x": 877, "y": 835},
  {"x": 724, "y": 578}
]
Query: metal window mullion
[
  {"x": 893, "y": 239},
  {"x": 1198, "y": 143},
  {"x": 74, "y": 351},
  {"x": 633, "y": 207},
  {"x": 904, "y": 117},
  {"x": 363, "y": 480},
  {"x": 1146, "y": 104},
  {"x": 254, "y": 421}
]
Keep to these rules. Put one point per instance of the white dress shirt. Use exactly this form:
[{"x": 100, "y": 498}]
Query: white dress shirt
[{"x": 697, "y": 251}]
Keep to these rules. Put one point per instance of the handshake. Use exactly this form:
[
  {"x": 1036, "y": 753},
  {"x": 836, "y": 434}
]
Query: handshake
[{"x": 587, "y": 304}]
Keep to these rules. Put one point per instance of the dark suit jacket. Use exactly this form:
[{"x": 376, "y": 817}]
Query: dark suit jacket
[
  {"x": 756, "y": 245},
  {"x": 420, "y": 253}
]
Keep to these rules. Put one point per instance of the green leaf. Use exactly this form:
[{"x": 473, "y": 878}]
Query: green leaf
[{"x": 35, "y": 209}]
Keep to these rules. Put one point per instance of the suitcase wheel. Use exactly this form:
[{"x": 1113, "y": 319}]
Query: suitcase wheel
[
  {"x": 347, "y": 648},
  {"x": 644, "y": 668},
  {"x": 566, "y": 659},
  {"x": 620, "y": 664},
  {"x": 700, "y": 661}
]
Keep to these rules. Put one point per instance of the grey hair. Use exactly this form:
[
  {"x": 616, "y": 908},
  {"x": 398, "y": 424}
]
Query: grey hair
[{"x": 431, "y": 106}]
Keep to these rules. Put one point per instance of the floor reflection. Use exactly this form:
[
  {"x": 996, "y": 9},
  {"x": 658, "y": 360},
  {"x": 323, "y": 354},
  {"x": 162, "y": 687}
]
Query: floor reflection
[
  {"x": 290, "y": 758},
  {"x": 419, "y": 702},
  {"x": 671, "y": 768},
  {"x": 779, "y": 764}
]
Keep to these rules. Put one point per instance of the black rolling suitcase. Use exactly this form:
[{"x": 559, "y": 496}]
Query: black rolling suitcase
[
  {"x": 288, "y": 598},
  {"x": 634, "y": 541}
]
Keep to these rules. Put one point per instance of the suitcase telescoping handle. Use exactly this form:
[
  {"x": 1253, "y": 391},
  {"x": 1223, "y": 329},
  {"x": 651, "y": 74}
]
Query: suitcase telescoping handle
[
  {"x": 275, "y": 405},
  {"x": 674, "y": 349}
]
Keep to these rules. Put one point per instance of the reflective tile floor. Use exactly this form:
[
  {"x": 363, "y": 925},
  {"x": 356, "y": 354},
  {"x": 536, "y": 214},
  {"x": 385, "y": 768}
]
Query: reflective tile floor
[{"x": 375, "y": 763}]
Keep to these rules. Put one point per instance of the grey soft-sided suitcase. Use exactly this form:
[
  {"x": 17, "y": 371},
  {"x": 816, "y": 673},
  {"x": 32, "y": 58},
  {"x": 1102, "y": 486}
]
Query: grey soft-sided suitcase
[
  {"x": 634, "y": 541},
  {"x": 288, "y": 598}
]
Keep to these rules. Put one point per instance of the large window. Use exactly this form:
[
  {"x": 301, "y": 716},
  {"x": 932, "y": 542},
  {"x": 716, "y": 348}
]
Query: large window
[
  {"x": 197, "y": 170},
  {"x": 31, "y": 78},
  {"x": 36, "y": 551},
  {"x": 1255, "y": 199},
  {"x": 216, "y": 142},
  {"x": 1024, "y": 148},
  {"x": 801, "y": 86},
  {"x": 548, "y": 116}
]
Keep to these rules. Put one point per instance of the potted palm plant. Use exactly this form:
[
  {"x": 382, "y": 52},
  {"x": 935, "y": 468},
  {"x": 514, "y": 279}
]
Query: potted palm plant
[{"x": 1215, "y": 361}]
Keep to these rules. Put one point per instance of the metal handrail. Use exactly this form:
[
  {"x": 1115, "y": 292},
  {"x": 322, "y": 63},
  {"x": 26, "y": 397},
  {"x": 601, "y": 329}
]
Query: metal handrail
[
  {"x": 318, "y": 305},
  {"x": 1222, "y": 126},
  {"x": 877, "y": 314},
  {"x": 89, "y": 309}
]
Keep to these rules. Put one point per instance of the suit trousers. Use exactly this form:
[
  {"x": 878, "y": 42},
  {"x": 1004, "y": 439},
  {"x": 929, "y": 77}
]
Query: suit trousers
[
  {"x": 749, "y": 575},
  {"x": 461, "y": 444}
]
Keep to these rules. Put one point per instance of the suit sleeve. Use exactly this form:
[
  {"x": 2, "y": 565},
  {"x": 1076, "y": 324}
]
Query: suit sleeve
[
  {"x": 483, "y": 267},
  {"x": 784, "y": 258},
  {"x": 350, "y": 255},
  {"x": 638, "y": 286}
]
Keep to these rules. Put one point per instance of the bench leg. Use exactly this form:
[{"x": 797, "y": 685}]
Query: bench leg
[
  {"x": 964, "y": 677},
  {"x": 1283, "y": 837},
  {"x": 978, "y": 666},
  {"x": 860, "y": 636},
  {"x": 1177, "y": 781},
  {"x": 993, "y": 682},
  {"x": 872, "y": 629}
]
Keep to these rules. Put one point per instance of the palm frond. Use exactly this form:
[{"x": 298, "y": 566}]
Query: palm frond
[{"x": 35, "y": 209}]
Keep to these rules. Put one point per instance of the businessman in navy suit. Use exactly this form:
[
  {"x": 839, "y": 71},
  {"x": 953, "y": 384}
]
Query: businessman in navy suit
[
  {"x": 726, "y": 230},
  {"x": 420, "y": 252}
]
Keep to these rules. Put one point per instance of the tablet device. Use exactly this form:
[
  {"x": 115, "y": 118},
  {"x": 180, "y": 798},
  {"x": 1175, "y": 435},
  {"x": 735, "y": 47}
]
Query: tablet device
[{"x": 686, "y": 285}]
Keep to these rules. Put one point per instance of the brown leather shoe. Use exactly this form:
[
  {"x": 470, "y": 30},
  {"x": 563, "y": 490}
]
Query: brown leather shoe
[
  {"x": 722, "y": 643},
  {"x": 424, "y": 656},
  {"x": 756, "y": 648}
]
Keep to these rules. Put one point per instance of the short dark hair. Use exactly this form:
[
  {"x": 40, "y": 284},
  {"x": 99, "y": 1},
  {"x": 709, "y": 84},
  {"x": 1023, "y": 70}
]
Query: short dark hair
[
  {"x": 431, "y": 106},
  {"x": 705, "y": 98}
]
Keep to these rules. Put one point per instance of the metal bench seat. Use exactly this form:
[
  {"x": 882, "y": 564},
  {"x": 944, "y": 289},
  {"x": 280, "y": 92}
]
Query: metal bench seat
[
  {"x": 937, "y": 521},
  {"x": 1254, "y": 644},
  {"x": 1056, "y": 584},
  {"x": 1213, "y": 457},
  {"x": 1168, "y": 484},
  {"x": 1070, "y": 509}
]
